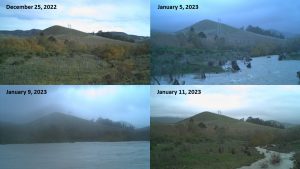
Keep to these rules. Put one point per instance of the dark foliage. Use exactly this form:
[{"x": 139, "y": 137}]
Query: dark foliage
[
  {"x": 202, "y": 35},
  {"x": 117, "y": 36},
  {"x": 202, "y": 125},
  {"x": 58, "y": 127},
  {"x": 258, "y": 30},
  {"x": 265, "y": 123}
]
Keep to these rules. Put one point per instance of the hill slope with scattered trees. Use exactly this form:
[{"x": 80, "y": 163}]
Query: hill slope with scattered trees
[{"x": 59, "y": 127}]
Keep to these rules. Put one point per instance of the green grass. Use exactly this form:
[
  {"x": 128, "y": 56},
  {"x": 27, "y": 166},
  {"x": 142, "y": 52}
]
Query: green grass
[
  {"x": 79, "y": 69},
  {"x": 53, "y": 60},
  {"x": 199, "y": 155},
  {"x": 220, "y": 142}
]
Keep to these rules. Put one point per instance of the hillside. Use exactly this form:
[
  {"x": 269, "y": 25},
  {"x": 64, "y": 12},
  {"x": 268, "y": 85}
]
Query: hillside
[
  {"x": 165, "y": 120},
  {"x": 59, "y": 127},
  {"x": 232, "y": 126},
  {"x": 64, "y": 33},
  {"x": 197, "y": 141},
  {"x": 212, "y": 30},
  {"x": 210, "y": 125},
  {"x": 59, "y": 55},
  {"x": 60, "y": 30},
  {"x": 205, "y": 47},
  {"x": 208, "y": 140},
  {"x": 80, "y": 37},
  {"x": 21, "y": 33},
  {"x": 122, "y": 36}
]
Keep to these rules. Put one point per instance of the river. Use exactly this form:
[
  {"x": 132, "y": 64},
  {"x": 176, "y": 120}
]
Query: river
[
  {"x": 265, "y": 70},
  {"x": 285, "y": 163},
  {"x": 83, "y": 155}
]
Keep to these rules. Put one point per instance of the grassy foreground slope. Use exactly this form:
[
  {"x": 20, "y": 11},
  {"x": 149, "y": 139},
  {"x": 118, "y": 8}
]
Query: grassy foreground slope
[
  {"x": 208, "y": 141},
  {"x": 59, "y": 55}
]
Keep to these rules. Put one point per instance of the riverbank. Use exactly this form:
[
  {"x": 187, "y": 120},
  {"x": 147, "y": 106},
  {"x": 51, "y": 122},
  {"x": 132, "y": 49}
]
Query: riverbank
[
  {"x": 285, "y": 160},
  {"x": 264, "y": 70}
]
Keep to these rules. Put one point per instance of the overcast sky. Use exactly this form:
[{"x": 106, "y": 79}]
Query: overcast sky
[
  {"x": 269, "y": 102},
  {"x": 118, "y": 103},
  {"x": 130, "y": 16},
  {"x": 282, "y": 15}
]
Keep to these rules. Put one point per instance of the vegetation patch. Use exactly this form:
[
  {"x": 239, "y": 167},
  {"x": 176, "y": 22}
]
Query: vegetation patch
[{"x": 56, "y": 57}]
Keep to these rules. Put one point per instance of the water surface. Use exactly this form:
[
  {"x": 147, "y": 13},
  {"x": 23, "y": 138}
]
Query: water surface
[
  {"x": 266, "y": 70},
  {"x": 84, "y": 155},
  {"x": 285, "y": 163}
]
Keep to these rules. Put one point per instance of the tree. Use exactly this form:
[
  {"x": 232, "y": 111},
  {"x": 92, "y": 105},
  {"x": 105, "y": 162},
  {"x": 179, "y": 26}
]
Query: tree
[
  {"x": 202, "y": 35},
  {"x": 265, "y": 123},
  {"x": 202, "y": 125},
  {"x": 258, "y": 30}
]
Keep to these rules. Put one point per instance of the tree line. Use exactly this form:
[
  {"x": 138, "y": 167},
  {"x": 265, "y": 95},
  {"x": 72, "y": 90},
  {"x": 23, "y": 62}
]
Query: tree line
[{"x": 258, "y": 30}]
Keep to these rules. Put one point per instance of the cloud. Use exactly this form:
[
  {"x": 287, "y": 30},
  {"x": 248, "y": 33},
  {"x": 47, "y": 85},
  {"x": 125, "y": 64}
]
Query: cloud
[
  {"x": 132, "y": 17},
  {"x": 264, "y": 101}
]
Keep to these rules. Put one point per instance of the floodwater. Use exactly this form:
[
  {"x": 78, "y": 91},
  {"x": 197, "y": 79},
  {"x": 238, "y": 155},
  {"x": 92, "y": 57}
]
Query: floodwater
[
  {"x": 266, "y": 70},
  {"x": 285, "y": 163},
  {"x": 87, "y": 155}
]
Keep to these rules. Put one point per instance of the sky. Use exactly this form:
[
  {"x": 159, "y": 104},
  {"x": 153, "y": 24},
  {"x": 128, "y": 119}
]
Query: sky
[
  {"x": 118, "y": 103},
  {"x": 281, "y": 15},
  {"x": 130, "y": 16},
  {"x": 270, "y": 102}
]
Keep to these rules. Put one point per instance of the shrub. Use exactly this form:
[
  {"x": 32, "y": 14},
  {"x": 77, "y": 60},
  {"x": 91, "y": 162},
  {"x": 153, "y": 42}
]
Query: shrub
[
  {"x": 221, "y": 149},
  {"x": 202, "y": 125},
  {"x": 275, "y": 158},
  {"x": 297, "y": 160},
  {"x": 233, "y": 151},
  {"x": 28, "y": 56},
  {"x": 110, "y": 52},
  {"x": 141, "y": 49}
]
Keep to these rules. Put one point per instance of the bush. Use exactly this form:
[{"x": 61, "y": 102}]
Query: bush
[
  {"x": 201, "y": 125},
  {"x": 110, "y": 52},
  {"x": 233, "y": 151},
  {"x": 275, "y": 158},
  {"x": 297, "y": 160}
]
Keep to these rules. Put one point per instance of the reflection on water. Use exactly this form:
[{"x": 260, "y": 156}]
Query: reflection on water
[
  {"x": 264, "y": 70},
  {"x": 92, "y": 155}
]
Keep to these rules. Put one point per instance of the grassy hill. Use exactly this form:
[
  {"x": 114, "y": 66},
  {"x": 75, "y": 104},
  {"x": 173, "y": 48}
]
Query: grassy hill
[
  {"x": 165, "y": 120},
  {"x": 122, "y": 36},
  {"x": 59, "y": 55},
  {"x": 60, "y": 30},
  {"x": 209, "y": 125},
  {"x": 205, "y": 46},
  {"x": 208, "y": 140},
  {"x": 59, "y": 127},
  {"x": 21, "y": 33},
  {"x": 234, "y": 37},
  {"x": 81, "y": 37}
]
